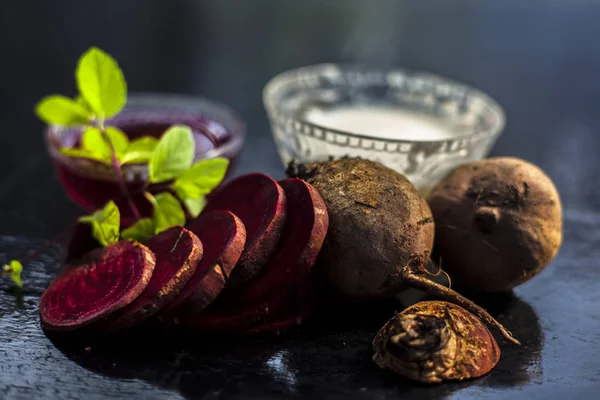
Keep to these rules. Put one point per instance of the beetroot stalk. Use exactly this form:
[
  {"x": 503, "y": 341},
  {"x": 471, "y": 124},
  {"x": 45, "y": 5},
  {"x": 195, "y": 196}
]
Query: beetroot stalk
[{"x": 117, "y": 167}]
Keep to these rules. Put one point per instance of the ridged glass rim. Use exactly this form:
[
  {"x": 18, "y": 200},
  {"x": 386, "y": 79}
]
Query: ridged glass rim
[{"x": 273, "y": 87}]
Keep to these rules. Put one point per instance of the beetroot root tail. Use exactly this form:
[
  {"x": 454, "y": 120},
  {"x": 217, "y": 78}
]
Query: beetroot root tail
[{"x": 450, "y": 295}]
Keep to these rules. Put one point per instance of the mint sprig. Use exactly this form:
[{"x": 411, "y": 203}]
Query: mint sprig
[
  {"x": 140, "y": 231},
  {"x": 102, "y": 95},
  {"x": 101, "y": 83},
  {"x": 105, "y": 224},
  {"x": 173, "y": 154},
  {"x": 13, "y": 269},
  {"x": 62, "y": 110},
  {"x": 190, "y": 183}
]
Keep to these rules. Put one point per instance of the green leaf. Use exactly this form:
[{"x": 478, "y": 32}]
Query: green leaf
[
  {"x": 14, "y": 269},
  {"x": 81, "y": 153},
  {"x": 173, "y": 154},
  {"x": 195, "y": 206},
  {"x": 140, "y": 150},
  {"x": 61, "y": 110},
  {"x": 94, "y": 142},
  {"x": 105, "y": 224},
  {"x": 140, "y": 231},
  {"x": 101, "y": 83},
  {"x": 167, "y": 212},
  {"x": 81, "y": 101},
  {"x": 201, "y": 178}
]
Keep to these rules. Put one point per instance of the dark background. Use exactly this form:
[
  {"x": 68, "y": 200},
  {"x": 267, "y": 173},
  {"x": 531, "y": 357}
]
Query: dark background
[{"x": 539, "y": 59}]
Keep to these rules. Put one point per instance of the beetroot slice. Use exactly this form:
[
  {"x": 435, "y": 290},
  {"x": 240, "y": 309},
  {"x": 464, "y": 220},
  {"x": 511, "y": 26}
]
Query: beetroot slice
[
  {"x": 301, "y": 241},
  {"x": 258, "y": 300},
  {"x": 261, "y": 205},
  {"x": 87, "y": 292},
  {"x": 280, "y": 310},
  {"x": 223, "y": 235},
  {"x": 178, "y": 251}
]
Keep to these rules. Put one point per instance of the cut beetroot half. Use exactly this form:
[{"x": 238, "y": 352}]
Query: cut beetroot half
[
  {"x": 223, "y": 235},
  {"x": 261, "y": 205},
  {"x": 265, "y": 296},
  {"x": 88, "y": 292},
  {"x": 178, "y": 251}
]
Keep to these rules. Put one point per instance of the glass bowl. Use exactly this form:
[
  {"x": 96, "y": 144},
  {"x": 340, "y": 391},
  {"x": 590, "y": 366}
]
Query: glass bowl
[
  {"x": 293, "y": 100},
  {"x": 218, "y": 132}
]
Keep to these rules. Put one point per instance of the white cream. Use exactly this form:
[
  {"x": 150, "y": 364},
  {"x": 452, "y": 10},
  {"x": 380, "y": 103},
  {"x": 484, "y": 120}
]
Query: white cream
[{"x": 383, "y": 122}]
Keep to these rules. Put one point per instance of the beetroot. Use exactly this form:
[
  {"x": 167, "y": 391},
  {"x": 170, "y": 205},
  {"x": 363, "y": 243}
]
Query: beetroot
[
  {"x": 261, "y": 299},
  {"x": 261, "y": 205},
  {"x": 223, "y": 235},
  {"x": 88, "y": 292},
  {"x": 178, "y": 251},
  {"x": 301, "y": 241}
]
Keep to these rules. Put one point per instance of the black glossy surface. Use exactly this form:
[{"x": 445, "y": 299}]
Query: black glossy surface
[{"x": 539, "y": 59}]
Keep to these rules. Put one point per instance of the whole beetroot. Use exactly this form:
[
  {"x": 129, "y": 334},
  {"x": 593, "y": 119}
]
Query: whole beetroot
[
  {"x": 380, "y": 233},
  {"x": 498, "y": 223},
  {"x": 378, "y": 223}
]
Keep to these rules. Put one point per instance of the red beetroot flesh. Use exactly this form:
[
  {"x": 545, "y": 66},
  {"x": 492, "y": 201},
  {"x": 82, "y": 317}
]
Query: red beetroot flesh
[
  {"x": 86, "y": 293},
  {"x": 267, "y": 296},
  {"x": 261, "y": 205},
  {"x": 223, "y": 235},
  {"x": 178, "y": 252}
]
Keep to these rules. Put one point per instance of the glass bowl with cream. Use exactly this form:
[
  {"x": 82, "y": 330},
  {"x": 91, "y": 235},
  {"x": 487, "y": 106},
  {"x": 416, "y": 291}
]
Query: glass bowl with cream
[{"x": 420, "y": 124}]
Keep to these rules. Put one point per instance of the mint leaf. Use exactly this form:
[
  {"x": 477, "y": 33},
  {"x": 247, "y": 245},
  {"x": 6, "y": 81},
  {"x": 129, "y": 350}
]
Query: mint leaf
[
  {"x": 61, "y": 110},
  {"x": 140, "y": 231},
  {"x": 201, "y": 178},
  {"x": 140, "y": 150},
  {"x": 14, "y": 269},
  {"x": 81, "y": 101},
  {"x": 173, "y": 154},
  {"x": 195, "y": 206},
  {"x": 81, "y": 153},
  {"x": 94, "y": 142},
  {"x": 101, "y": 83},
  {"x": 167, "y": 212},
  {"x": 105, "y": 224}
]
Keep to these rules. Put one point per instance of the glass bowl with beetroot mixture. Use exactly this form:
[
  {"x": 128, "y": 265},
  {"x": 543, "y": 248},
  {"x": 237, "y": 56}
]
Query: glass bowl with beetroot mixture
[{"x": 218, "y": 132}]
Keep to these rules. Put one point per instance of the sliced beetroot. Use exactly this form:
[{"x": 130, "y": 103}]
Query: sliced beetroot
[
  {"x": 223, "y": 236},
  {"x": 264, "y": 297},
  {"x": 303, "y": 235},
  {"x": 88, "y": 292},
  {"x": 178, "y": 252},
  {"x": 261, "y": 205},
  {"x": 270, "y": 314},
  {"x": 237, "y": 319}
]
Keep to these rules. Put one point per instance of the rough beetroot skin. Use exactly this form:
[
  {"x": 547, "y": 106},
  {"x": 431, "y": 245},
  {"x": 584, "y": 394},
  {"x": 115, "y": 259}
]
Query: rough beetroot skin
[
  {"x": 264, "y": 298},
  {"x": 223, "y": 235},
  {"x": 261, "y": 205},
  {"x": 178, "y": 251},
  {"x": 88, "y": 292}
]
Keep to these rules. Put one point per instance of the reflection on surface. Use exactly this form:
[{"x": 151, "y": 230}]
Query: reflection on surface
[
  {"x": 278, "y": 366},
  {"x": 331, "y": 354}
]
